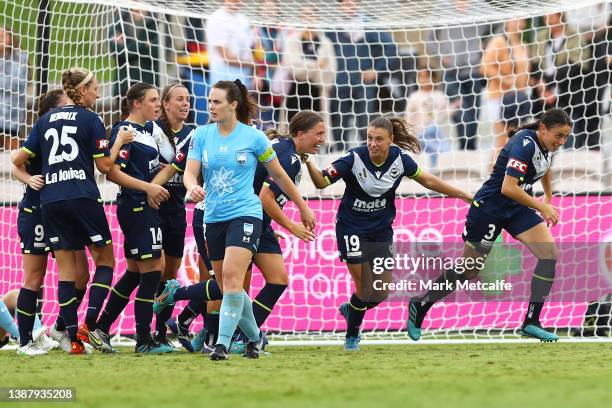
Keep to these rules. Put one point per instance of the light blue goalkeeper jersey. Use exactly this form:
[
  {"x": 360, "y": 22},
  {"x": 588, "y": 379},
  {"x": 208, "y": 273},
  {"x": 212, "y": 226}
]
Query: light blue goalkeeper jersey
[{"x": 228, "y": 166}]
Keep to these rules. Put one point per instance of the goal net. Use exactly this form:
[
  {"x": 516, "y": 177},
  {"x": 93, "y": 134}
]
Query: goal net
[{"x": 462, "y": 72}]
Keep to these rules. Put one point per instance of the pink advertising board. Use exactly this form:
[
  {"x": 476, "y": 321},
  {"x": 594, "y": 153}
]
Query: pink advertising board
[{"x": 319, "y": 282}]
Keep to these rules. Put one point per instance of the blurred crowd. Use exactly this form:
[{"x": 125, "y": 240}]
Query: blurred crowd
[{"x": 511, "y": 72}]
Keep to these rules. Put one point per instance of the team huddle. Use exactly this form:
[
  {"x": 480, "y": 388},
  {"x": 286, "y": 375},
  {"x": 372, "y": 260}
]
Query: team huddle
[{"x": 240, "y": 179}]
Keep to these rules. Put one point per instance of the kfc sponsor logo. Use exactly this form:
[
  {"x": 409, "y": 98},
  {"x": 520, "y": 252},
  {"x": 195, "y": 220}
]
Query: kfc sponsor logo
[
  {"x": 102, "y": 144},
  {"x": 518, "y": 165}
]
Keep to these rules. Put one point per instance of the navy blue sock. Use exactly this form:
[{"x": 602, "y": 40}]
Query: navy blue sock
[
  {"x": 447, "y": 282},
  {"x": 204, "y": 291},
  {"x": 118, "y": 300},
  {"x": 98, "y": 291},
  {"x": 265, "y": 301},
  {"x": 59, "y": 323},
  {"x": 189, "y": 313},
  {"x": 66, "y": 296},
  {"x": 143, "y": 303},
  {"x": 26, "y": 312},
  {"x": 541, "y": 282},
  {"x": 357, "y": 309},
  {"x": 160, "y": 320},
  {"x": 212, "y": 327}
]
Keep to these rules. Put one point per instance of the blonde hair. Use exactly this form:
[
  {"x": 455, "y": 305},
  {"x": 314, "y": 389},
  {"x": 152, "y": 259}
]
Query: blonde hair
[{"x": 73, "y": 79}]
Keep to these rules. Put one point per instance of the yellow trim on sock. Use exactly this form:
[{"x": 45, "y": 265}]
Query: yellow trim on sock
[
  {"x": 356, "y": 308},
  {"x": 262, "y": 305},
  {"x": 543, "y": 278},
  {"x": 74, "y": 299},
  {"x": 24, "y": 313},
  {"x": 122, "y": 296},
  {"x": 145, "y": 300},
  {"x": 101, "y": 285}
]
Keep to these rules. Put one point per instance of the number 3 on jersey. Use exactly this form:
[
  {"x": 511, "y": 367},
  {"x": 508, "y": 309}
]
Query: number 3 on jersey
[{"x": 66, "y": 141}]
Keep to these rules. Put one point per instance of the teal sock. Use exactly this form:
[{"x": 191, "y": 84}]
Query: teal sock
[
  {"x": 229, "y": 316},
  {"x": 37, "y": 323},
  {"x": 247, "y": 322},
  {"x": 7, "y": 322}
]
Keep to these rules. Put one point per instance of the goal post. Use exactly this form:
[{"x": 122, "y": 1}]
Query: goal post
[{"x": 455, "y": 69}]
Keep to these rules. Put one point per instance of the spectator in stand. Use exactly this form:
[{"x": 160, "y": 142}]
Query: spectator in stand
[
  {"x": 361, "y": 56},
  {"x": 591, "y": 23},
  {"x": 135, "y": 42},
  {"x": 270, "y": 40},
  {"x": 428, "y": 110},
  {"x": 460, "y": 51},
  {"x": 311, "y": 63},
  {"x": 505, "y": 65},
  {"x": 559, "y": 53},
  {"x": 193, "y": 72},
  {"x": 13, "y": 78},
  {"x": 231, "y": 41}
]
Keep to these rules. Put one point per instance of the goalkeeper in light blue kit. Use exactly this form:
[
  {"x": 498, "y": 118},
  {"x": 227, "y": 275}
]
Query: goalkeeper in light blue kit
[
  {"x": 227, "y": 152},
  {"x": 505, "y": 201}
]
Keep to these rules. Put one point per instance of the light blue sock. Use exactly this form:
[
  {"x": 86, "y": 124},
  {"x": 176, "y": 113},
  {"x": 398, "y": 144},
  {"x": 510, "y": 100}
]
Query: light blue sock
[
  {"x": 37, "y": 323},
  {"x": 229, "y": 316},
  {"x": 247, "y": 322},
  {"x": 7, "y": 322}
]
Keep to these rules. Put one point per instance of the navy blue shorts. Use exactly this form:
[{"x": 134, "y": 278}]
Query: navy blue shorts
[
  {"x": 141, "y": 226},
  {"x": 73, "y": 224},
  {"x": 173, "y": 225},
  {"x": 241, "y": 232},
  {"x": 482, "y": 229},
  {"x": 268, "y": 243},
  {"x": 31, "y": 232},
  {"x": 357, "y": 248},
  {"x": 198, "y": 234}
]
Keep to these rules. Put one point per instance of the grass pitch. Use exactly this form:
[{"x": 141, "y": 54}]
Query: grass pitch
[{"x": 462, "y": 375}]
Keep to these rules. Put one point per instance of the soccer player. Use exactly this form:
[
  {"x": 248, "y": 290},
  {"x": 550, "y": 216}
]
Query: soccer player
[
  {"x": 173, "y": 142},
  {"x": 306, "y": 135},
  {"x": 227, "y": 151},
  {"x": 372, "y": 174},
  {"x": 31, "y": 232},
  {"x": 68, "y": 140},
  {"x": 40, "y": 343},
  {"x": 137, "y": 204},
  {"x": 505, "y": 201}
]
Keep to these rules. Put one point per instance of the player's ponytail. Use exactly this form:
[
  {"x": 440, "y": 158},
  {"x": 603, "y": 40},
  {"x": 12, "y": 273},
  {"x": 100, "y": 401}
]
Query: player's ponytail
[
  {"x": 303, "y": 121},
  {"x": 551, "y": 118},
  {"x": 72, "y": 80},
  {"x": 136, "y": 92},
  {"x": 403, "y": 133},
  {"x": 236, "y": 91},
  {"x": 163, "y": 117},
  {"x": 49, "y": 100}
]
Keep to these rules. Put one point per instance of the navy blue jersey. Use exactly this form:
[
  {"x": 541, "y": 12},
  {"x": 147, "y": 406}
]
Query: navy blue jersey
[
  {"x": 524, "y": 158},
  {"x": 177, "y": 158},
  {"x": 139, "y": 159},
  {"x": 31, "y": 197},
  {"x": 290, "y": 161},
  {"x": 67, "y": 140},
  {"x": 368, "y": 203}
]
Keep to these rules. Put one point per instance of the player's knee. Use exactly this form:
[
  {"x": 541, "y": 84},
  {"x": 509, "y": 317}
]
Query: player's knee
[
  {"x": 548, "y": 251},
  {"x": 232, "y": 281},
  {"x": 34, "y": 279}
]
